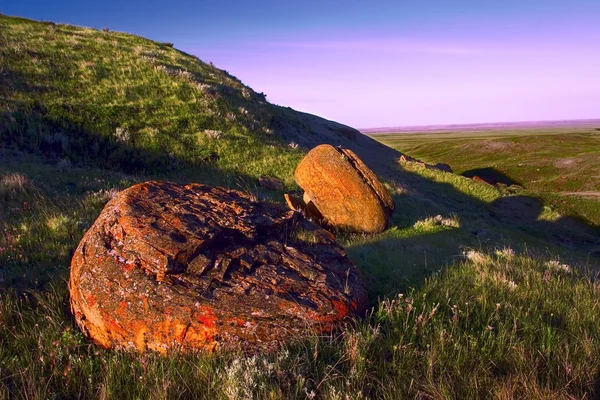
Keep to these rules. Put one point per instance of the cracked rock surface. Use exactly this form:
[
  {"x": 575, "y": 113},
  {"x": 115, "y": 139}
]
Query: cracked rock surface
[
  {"x": 346, "y": 193},
  {"x": 198, "y": 267}
]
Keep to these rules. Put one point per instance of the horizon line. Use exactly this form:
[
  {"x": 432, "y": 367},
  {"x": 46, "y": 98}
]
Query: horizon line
[{"x": 467, "y": 124}]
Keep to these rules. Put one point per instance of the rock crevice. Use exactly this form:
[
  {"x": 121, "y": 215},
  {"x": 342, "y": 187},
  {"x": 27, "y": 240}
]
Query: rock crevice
[
  {"x": 341, "y": 190},
  {"x": 201, "y": 267}
]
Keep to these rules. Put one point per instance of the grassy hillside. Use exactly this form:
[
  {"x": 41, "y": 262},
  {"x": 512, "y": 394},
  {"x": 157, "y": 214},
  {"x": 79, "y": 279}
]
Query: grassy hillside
[
  {"x": 475, "y": 292},
  {"x": 119, "y": 101}
]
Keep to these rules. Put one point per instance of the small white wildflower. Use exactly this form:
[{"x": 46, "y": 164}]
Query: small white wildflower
[
  {"x": 14, "y": 182},
  {"x": 475, "y": 257},
  {"x": 185, "y": 75},
  {"x": 203, "y": 87},
  {"x": 438, "y": 220},
  {"x": 212, "y": 134},
  {"x": 309, "y": 395},
  {"x": 148, "y": 59},
  {"x": 558, "y": 266},
  {"x": 506, "y": 253},
  {"x": 122, "y": 135}
]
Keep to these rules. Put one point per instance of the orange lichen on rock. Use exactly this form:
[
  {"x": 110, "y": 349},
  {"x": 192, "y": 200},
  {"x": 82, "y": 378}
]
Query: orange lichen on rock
[
  {"x": 170, "y": 266},
  {"x": 343, "y": 189}
]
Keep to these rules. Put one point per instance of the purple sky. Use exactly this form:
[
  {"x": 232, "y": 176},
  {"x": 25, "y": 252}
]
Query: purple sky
[
  {"x": 513, "y": 67},
  {"x": 384, "y": 63}
]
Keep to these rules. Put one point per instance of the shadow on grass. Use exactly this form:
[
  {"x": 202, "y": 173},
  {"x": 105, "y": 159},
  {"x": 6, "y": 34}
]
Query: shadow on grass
[
  {"x": 395, "y": 263},
  {"x": 35, "y": 130},
  {"x": 66, "y": 171},
  {"x": 42, "y": 224},
  {"x": 490, "y": 175}
]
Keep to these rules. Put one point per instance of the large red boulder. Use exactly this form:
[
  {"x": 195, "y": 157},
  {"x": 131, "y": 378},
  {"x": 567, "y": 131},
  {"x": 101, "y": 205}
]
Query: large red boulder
[
  {"x": 197, "y": 267},
  {"x": 346, "y": 193}
]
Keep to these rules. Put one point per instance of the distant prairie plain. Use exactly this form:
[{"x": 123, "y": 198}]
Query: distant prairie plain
[
  {"x": 557, "y": 161},
  {"x": 522, "y": 127}
]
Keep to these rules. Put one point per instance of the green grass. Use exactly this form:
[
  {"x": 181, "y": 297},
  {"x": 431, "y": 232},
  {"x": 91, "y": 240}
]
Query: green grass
[
  {"x": 119, "y": 101},
  {"x": 499, "y": 325},
  {"x": 467, "y": 299},
  {"x": 555, "y": 166}
]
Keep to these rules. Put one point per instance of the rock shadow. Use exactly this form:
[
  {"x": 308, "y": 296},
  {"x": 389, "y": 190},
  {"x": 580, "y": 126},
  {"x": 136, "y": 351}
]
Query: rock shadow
[
  {"x": 491, "y": 175},
  {"x": 54, "y": 137},
  {"x": 395, "y": 264},
  {"x": 37, "y": 146}
]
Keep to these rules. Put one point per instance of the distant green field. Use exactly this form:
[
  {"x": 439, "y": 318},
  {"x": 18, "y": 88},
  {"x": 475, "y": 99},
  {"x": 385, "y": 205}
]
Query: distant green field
[
  {"x": 560, "y": 166},
  {"x": 492, "y": 133}
]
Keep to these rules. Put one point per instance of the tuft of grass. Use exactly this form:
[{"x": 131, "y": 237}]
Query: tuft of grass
[
  {"x": 14, "y": 184},
  {"x": 430, "y": 223}
]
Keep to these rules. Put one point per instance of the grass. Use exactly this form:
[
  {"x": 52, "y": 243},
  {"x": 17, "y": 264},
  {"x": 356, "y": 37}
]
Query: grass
[
  {"x": 494, "y": 325},
  {"x": 118, "y": 101},
  {"x": 562, "y": 167},
  {"x": 471, "y": 296}
]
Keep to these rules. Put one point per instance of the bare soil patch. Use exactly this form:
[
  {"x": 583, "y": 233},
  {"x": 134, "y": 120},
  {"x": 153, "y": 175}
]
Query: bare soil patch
[
  {"x": 583, "y": 194},
  {"x": 565, "y": 162}
]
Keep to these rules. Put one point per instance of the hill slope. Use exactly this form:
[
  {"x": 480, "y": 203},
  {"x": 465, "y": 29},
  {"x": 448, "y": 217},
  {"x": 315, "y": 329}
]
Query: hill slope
[{"x": 119, "y": 100}]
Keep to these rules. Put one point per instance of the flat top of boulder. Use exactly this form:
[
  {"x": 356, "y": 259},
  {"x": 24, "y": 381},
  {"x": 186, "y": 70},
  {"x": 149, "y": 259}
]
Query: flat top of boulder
[{"x": 200, "y": 267}]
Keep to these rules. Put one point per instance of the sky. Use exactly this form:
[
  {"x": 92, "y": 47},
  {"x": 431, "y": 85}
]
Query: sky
[{"x": 378, "y": 63}]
